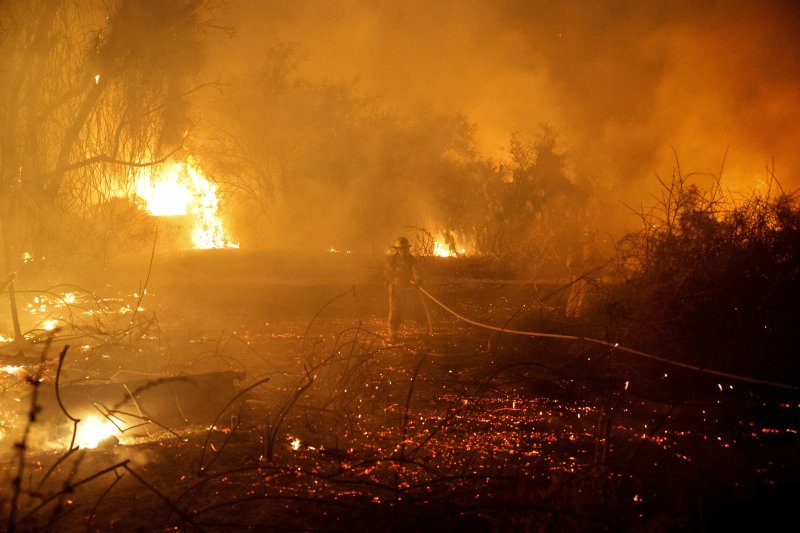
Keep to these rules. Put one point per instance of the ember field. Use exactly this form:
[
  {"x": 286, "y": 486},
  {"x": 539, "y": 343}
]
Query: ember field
[{"x": 255, "y": 402}]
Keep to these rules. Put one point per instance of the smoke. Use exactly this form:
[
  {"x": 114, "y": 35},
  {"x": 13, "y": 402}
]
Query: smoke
[
  {"x": 633, "y": 89},
  {"x": 624, "y": 82}
]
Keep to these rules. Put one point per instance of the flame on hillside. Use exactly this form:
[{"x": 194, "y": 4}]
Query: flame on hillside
[{"x": 182, "y": 189}]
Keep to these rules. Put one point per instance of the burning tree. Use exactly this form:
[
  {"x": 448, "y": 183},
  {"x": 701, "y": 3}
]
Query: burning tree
[
  {"x": 181, "y": 189},
  {"x": 89, "y": 93}
]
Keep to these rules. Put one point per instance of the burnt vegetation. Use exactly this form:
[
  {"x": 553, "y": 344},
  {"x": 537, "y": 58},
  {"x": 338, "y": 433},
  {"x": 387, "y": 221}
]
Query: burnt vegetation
[
  {"x": 575, "y": 379},
  {"x": 714, "y": 274},
  {"x": 334, "y": 427}
]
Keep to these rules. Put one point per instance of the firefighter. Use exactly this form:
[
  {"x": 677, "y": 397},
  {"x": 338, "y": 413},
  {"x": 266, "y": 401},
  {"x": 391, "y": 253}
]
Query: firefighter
[
  {"x": 581, "y": 261},
  {"x": 402, "y": 274}
]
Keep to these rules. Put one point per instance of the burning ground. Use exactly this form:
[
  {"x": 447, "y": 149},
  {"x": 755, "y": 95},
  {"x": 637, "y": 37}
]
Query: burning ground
[{"x": 294, "y": 411}]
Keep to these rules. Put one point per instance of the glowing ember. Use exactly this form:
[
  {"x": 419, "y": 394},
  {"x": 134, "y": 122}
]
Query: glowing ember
[
  {"x": 295, "y": 443},
  {"x": 69, "y": 298},
  {"x": 93, "y": 429},
  {"x": 182, "y": 189},
  {"x": 50, "y": 325},
  {"x": 13, "y": 370},
  {"x": 3, "y": 338}
]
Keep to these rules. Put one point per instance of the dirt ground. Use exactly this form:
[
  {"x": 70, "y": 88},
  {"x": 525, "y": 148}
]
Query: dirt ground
[{"x": 258, "y": 392}]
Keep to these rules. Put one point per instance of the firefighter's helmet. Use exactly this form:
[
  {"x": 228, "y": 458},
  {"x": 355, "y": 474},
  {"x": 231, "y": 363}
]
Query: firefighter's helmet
[{"x": 401, "y": 242}]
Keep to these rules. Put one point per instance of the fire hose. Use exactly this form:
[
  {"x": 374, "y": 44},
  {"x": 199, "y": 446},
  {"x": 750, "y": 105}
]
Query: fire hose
[{"x": 611, "y": 345}]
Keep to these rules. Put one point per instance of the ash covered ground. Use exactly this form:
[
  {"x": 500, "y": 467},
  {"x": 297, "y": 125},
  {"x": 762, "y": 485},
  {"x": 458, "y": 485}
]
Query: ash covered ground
[{"x": 258, "y": 391}]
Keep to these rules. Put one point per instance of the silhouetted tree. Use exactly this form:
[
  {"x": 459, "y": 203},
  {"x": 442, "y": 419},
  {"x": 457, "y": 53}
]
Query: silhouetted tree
[
  {"x": 539, "y": 212},
  {"x": 88, "y": 92},
  {"x": 319, "y": 161}
]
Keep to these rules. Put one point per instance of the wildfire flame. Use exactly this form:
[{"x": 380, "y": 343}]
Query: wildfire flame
[
  {"x": 446, "y": 247},
  {"x": 92, "y": 430},
  {"x": 182, "y": 189},
  {"x": 442, "y": 250}
]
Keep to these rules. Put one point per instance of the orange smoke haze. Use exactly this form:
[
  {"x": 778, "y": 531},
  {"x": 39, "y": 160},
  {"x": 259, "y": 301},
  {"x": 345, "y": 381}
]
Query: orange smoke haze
[{"x": 623, "y": 82}]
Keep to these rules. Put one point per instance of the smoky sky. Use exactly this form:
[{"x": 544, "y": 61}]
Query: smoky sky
[{"x": 627, "y": 84}]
